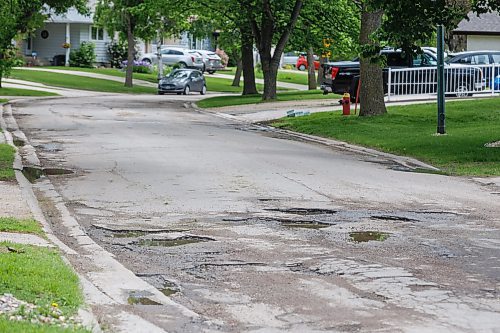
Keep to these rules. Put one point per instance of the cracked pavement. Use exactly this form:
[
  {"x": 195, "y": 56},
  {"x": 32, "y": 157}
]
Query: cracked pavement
[{"x": 250, "y": 230}]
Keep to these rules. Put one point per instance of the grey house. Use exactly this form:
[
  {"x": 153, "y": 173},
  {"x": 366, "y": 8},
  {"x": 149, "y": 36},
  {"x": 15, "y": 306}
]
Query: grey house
[
  {"x": 52, "y": 43},
  {"x": 479, "y": 32}
]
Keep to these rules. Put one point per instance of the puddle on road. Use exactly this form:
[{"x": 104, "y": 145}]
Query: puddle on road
[
  {"x": 303, "y": 211},
  {"x": 141, "y": 297},
  {"x": 366, "y": 236},
  {"x": 169, "y": 289},
  {"x": 173, "y": 242},
  {"x": 393, "y": 218},
  {"x": 32, "y": 173},
  {"x": 306, "y": 225},
  {"x": 18, "y": 142}
]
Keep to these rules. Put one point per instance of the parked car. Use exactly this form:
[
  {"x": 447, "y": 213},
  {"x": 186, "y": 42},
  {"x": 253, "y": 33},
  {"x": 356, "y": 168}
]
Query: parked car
[
  {"x": 290, "y": 58},
  {"x": 171, "y": 56},
  {"x": 302, "y": 62},
  {"x": 481, "y": 59},
  {"x": 211, "y": 61},
  {"x": 341, "y": 77},
  {"x": 183, "y": 81}
]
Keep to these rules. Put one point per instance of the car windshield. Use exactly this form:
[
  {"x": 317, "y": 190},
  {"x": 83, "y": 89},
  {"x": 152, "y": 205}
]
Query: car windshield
[{"x": 178, "y": 75}]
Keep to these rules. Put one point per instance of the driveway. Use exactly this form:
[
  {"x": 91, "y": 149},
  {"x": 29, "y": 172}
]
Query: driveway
[{"x": 256, "y": 231}]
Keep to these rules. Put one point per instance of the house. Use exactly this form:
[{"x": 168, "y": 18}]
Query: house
[
  {"x": 52, "y": 43},
  {"x": 479, "y": 32}
]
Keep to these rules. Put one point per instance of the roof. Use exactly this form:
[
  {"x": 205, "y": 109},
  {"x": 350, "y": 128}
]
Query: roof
[
  {"x": 72, "y": 15},
  {"x": 484, "y": 24}
]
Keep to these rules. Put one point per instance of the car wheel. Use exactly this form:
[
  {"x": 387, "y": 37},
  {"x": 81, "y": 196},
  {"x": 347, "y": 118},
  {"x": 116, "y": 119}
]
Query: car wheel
[
  {"x": 182, "y": 65},
  {"x": 461, "y": 91},
  {"x": 211, "y": 72},
  {"x": 187, "y": 90},
  {"x": 203, "y": 90},
  {"x": 302, "y": 67}
]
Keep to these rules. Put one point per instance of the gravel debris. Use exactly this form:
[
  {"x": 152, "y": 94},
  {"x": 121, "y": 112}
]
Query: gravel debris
[{"x": 18, "y": 310}]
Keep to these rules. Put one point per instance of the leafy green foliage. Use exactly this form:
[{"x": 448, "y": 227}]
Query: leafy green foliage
[
  {"x": 117, "y": 51},
  {"x": 84, "y": 56}
]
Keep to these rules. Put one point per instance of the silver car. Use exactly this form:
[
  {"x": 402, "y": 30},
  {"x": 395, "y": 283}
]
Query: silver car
[
  {"x": 183, "y": 81},
  {"x": 212, "y": 62},
  {"x": 171, "y": 56}
]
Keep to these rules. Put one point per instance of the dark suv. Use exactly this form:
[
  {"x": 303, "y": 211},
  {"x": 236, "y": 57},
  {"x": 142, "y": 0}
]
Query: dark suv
[{"x": 343, "y": 76}]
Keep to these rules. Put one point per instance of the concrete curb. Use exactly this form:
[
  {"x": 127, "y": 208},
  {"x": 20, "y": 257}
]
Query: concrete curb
[{"x": 405, "y": 162}]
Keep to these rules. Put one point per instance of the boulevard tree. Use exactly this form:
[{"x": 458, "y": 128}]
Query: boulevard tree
[
  {"x": 271, "y": 22},
  {"x": 19, "y": 17},
  {"x": 140, "y": 19},
  {"x": 321, "y": 30}
]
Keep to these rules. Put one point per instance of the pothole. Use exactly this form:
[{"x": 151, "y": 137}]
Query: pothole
[
  {"x": 393, "y": 218},
  {"x": 129, "y": 234},
  {"x": 33, "y": 174},
  {"x": 306, "y": 224},
  {"x": 160, "y": 282},
  {"x": 180, "y": 241},
  {"x": 18, "y": 142},
  {"x": 142, "y": 298},
  {"x": 168, "y": 289},
  {"x": 303, "y": 211},
  {"x": 367, "y": 236}
]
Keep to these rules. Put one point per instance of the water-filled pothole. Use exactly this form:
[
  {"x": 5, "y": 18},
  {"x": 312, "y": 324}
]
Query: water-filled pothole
[
  {"x": 32, "y": 173},
  {"x": 18, "y": 142},
  {"x": 393, "y": 218},
  {"x": 185, "y": 240},
  {"x": 142, "y": 298},
  {"x": 306, "y": 225},
  {"x": 303, "y": 211},
  {"x": 366, "y": 236},
  {"x": 169, "y": 289}
]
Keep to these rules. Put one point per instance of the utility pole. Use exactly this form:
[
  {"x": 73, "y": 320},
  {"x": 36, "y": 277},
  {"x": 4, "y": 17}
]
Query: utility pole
[{"x": 441, "y": 129}]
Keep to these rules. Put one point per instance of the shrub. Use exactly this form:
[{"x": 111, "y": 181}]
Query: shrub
[
  {"x": 117, "y": 52},
  {"x": 9, "y": 60},
  {"x": 223, "y": 56},
  {"x": 139, "y": 66},
  {"x": 288, "y": 66},
  {"x": 84, "y": 56}
]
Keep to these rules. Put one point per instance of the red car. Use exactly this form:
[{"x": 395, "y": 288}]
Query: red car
[{"x": 302, "y": 63}]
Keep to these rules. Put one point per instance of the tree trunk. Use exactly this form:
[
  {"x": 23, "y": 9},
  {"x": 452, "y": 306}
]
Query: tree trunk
[
  {"x": 270, "y": 71},
  {"x": 130, "y": 54},
  {"x": 372, "y": 82},
  {"x": 249, "y": 86},
  {"x": 237, "y": 75},
  {"x": 321, "y": 71},
  {"x": 311, "y": 73}
]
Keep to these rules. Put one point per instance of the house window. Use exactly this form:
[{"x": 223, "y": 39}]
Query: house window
[{"x": 96, "y": 33}]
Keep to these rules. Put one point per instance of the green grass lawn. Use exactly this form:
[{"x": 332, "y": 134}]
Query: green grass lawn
[
  {"x": 78, "y": 82},
  {"x": 3, "y": 100},
  {"x": 6, "y": 161},
  {"x": 213, "y": 83},
  {"x": 24, "y": 92},
  {"x": 289, "y": 77},
  {"x": 221, "y": 101},
  {"x": 410, "y": 131},
  {"x": 39, "y": 276},
  {"x": 24, "y": 327},
  {"x": 30, "y": 226}
]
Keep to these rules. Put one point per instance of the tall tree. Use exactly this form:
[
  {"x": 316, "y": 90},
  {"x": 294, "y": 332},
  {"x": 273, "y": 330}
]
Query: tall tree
[
  {"x": 272, "y": 23},
  {"x": 329, "y": 36},
  {"x": 18, "y": 17},
  {"x": 236, "y": 35}
]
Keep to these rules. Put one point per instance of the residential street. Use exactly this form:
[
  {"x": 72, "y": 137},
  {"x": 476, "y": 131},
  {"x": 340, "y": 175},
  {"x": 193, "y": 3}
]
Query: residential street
[{"x": 247, "y": 229}]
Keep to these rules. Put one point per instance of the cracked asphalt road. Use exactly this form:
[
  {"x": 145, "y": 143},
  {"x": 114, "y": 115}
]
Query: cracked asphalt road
[{"x": 252, "y": 230}]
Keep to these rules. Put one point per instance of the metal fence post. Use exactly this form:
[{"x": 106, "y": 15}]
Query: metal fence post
[{"x": 389, "y": 85}]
